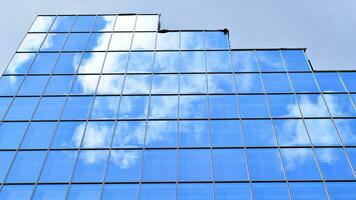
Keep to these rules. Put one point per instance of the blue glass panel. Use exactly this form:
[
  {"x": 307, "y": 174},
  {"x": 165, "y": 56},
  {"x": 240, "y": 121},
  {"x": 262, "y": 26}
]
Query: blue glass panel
[
  {"x": 16, "y": 192},
  {"x": 32, "y": 42},
  {"x": 329, "y": 82},
  {"x": 22, "y": 108},
  {"x": 165, "y": 84},
  {"x": 143, "y": 41},
  {"x": 124, "y": 165},
  {"x": 216, "y": 40},
  {"x": 10, "y": 84},
  {"x": 196, "y": 191},
  {"x": 55, "y": 192},
  {"x": 124, "y": 191},
  {"x": 351, "y": 153},
  {"x": 129, "y": 134},
  {"x": 265, "y": 164},
  {"x": 322, "y": 132},
  {"x": 276, "y": 82},
  {"x": 346, "y": 129},
  {"x": 91, "y": 165},
  {"x": 248, "y": 83},
  {"x": 42, "y": 24},
  {"x": 54, "y": 42},
  {"x": 83, "y": 23},
  {"x": 295, "y": 60},
  {"x": 221, "y": 83},
  {"x": 110, "y": 84},
  {"x": 163, "y": 107},
  {"x": 193, "y": 83},
  {"x": 229, "y": 164},
  {"x": 115, "y": 62},
  {"x": 223, "y": 106},
  {"x": 33, "y": 85},
  {"x": 20, "y": 63},
  {"x": 193, "y": 107},
  {"x": 232, "y": 191},
  {"x": 6, "y": 159},
  {"x": 49, "y": 108},
  {"x": 291, "y": 132},
  {"x": 331, "y": 160},
  {"x": 77, "y": 108},
  {"x": 63, "y": 24},
  {"x": 303, "y": 82},
  {"x": 68, "y": 134},
  {"x": 105, "y": 107},
  {"x": 342, "y": 191},
  {"x": 68, "y": 63},
  {"x": 125, "y": 23},
  {"x": 244, "y": 61},
  {"x": 133, "y": 107},
  {"x": 147, "y": 23},
  {"x": 120, "y": 41},
  {"x": 98, "y": 135},
  {"x": 59, "y": 85},
  {"x": 39, "y": 135},
  {"x": 300, "y": 164},
  {"x": 218, "y": 61},
  {"x": 98, "y": 42},
  {"x": 140, "y": 62},
  {"x": 312, "y": 105},
  {"x": 270, "y": 60},
  {"x": 304, "y": 191},
  {"x": 264, "y": 191},
  {"x": 191, "y": 40},
  {"x": 59, "y": 166},
  {"x": 76, "y": 42},
  {"x": 253, "y": 106},
  {"x": 193, "y": 133},
  {"x": 160, "y": 165},
  {"x": 340, "y": 105},
  {"x": 92, "y": 62},
  {"x": 225, "y": 133},
  {"x": 192, "y": 61},
  {"x": 168, "y": 41},
  {"x": 349, "y": 80},
  {"x": 258, "y": 133},
  {"x": 161, "y": 134},
  {"x": 137, "y": 84},
  {"x": 283, "y": 106},
  {"x": 166, "y": 62},
  {"x": 11, "y": 134},
  {"x": 4, "y": 105},
  {"x": 194, "y": 165},
  {"x": 26, "y": 166},
  {"x": 85, "y": 84},
  {"x": 158, "y": 192},
  {"x": 44, "y": 63},
  {"x": 104, "y": 23},
  {"x": 85, "y": 191}
]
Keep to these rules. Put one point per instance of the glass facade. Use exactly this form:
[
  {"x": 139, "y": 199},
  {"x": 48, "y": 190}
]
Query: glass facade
[{"x": 109, "y": 107}]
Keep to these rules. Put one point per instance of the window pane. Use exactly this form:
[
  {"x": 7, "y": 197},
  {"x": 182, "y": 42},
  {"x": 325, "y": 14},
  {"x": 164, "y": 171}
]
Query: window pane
[
  {"x": 115, "y": 62},
  {"x": 196, "y": 191},
  {"x": 303, "y": 82},
  {"x": 55, "y": 192},
  {"x": 4, "y": 105},
  {"x": 146, "y": 23},
  {"x": 98, "y": 135},
  {"x": 244, "y": 61},
  {"x": 92, "y": 62},
  {"x": 283, "y": 106},
  {"x": 59, "y": 166},
  {"x": 44, "y": 63},
  {"x": 349, "y": 79},
  {"x": 193, "y": 107},
  {"x": 125, "y": 23},
  {"x": 295, "y": 60},
  {"x": 120, "y": 41},
  {"x": 221, "y": 83},
  {"x": 253, "y": 106},
  {"x": 137, "y": 84},
  {"x": 54, "y": 42},
  {"x": 85, "y": 84},
  {"x": 161, "y": 134},
  {"x": 192, "y": 40},
  {"x": 33, "y": 85},
  {"x": 143, "y": 41},
  {"x": 110, "y": 84},
  {"x": 59, "y": 85},
  {"x": 11, "y": 134},
  {"x": 194, "y": 165},
  {"x": 218, "y": 61},
  {"x": 42, "y": 24},
  {"x": 322, "y": 132},
  {"x": 346, "y": 129},
  {"x": 133, "y": 107},
  {"x": 76, "y": 42},
  {"x": 68, "y": 63},
  {"x": 6, "y": 159},
  {"x": 49, "y": 108},
  {"x": 340, "y": 105},
  {"x": 312, "y": 105},
  {"x": 168, "y": 41},
  {"x": 291, "y": 132},
  {"x": 84, "y": 191},
  {"x": 160, "y": 165},
  {"x": 104, "y": 23},
  {"x": 129, "y": 134},
  {"x": 329, "y": 82},
  {"x": 32, "y": 42},
  {"x": 16, "y": 192},
  {"x": 341, "y": 191},
  {"x": 124, "y": 165},
  {"x": 225, "y": 133},
  {"x": 229, "y": 164},
  {"x": 193, "y": 134},
  {"x": 266, "y": 191},
  {"x": 258, "y": 133},
  {"x": 98, "y": 42},
  {"x": 63, "y": 24},
  {"x": 20, "y": 63},
  {"x": 83, "y": 23},
  {"x": 68, "y": 134},
  {"x": 26, "y": 166},
  {"x": 105, "y": 107},
  {"x": 223, "y": 106},
  {"x": 265, "y": 164},
  {"x": 248, "y": 83},
  {"x": 140, "y": 62},
  {"x": 10, "y": 84},
  {"x": 39, "y": 135},
  {"x": 165, "y": 84},
  {"x": 163, "y": 107},
  {"x": 166, "y": 62},
  {"x": 193, "y": 83},
  {"x": 77, "y": 108},
  {"x": 232, "y": 191},
  {"x": 270, "y": 60},
  {"x": 276, "y": 83},
  {"x": 216, "y": 40},
  {"x": 308, "y": 191},
  {"x": 124, "y": 191},
  {"x": 158, "y": 192},
  {"x": 91, "y": 165},
  {"x": 22, "y": 108},
  {"x": 192, "y": 61}
]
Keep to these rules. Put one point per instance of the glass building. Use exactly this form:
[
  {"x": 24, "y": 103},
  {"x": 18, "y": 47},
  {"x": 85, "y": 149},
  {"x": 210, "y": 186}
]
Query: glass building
[{"x": 113, "y": 107}]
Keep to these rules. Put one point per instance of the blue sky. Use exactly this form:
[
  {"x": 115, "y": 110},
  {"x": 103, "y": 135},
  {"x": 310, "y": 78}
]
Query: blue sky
[{"x": 326, "y": 27}]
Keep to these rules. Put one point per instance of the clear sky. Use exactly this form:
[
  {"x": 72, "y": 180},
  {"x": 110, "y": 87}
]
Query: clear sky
[{"x": 327, "y": 28}]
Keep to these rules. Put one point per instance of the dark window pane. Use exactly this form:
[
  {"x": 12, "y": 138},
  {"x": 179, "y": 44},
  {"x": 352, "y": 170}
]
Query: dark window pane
[
  {"x": 68, "y": 135},
  {"x": 68, "y": 63},
  {"x": 295, "y": 60},
  {"x": 44, "y": 63},
  {"x": 83, "y": 23},
  {"x": 223, "y": 106},
  {"x": 160, "y": 165},
  {"x": 194, "y": 165},
  {"x": 49, "y": 108},
  {"x": 124, "y": 165},
  {"x": 196, "y": 191},
  {"x": 33, "y": 85},
  {"x": 20, "y": 63},
  {"x": 329, "y": 82},
  {"x": 291, "y": 132},
  {"x": 225, "y": 133},
  {"x": 258, "y": 133},
  {"x": 98, "y": 135},
  {"x": 216, "y": 40},
  {"x": 264, "y": 191},
  {"x": 229, "y": 164},
  {"x": 63, "y": 24},
  {"x": 56, "y": 192},
  {"x": 303, "y": 82},
  {"x": 305, "y": 191},
  {"x": 22, "y": 108},
  {"x": 39, "y": 135},
  {"x": 129, "y": 134},
  {"x": 232, "y": 191},
  {"x": 218, "y": 61},
  {"x": 124, "y": 191},
  {"x": 349, "y": 80},
  {"x": 283, "y": 106},
  {"x": 158, "y": 192},
  {"x": 9, "y": 85},
  {"x": 161, "y": 134},
  {"x": 248, "y": 83},
  {"x": 270, "y": 60},
  {"x": 193, "y": 133},
  {"x": 253, "y": 106},
  {"x": 76, "y": 42},
  {"x": 133, "y": 107},
  {"x": 276, "y": 82},
  {"x": 59, "y": 85},
  {"x": 11, "y": 134},
  {"x": 244, "y": 61}
]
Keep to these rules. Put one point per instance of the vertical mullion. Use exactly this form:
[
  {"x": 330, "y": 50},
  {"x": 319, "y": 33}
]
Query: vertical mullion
[{"x": 346, "y": 89}]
